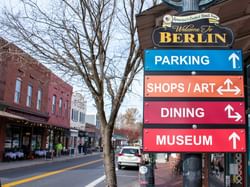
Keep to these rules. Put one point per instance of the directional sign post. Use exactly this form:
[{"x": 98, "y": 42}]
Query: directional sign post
[
  {"x": 192, "y": 30},
  {"x": 201, "y": 88},
  {"x": 161, "y": 88}
]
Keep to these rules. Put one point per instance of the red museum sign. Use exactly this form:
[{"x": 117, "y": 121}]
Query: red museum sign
[{"x": 194, "y": 140}]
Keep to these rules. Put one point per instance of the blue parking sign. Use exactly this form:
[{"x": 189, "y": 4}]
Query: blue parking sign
[{"x": 192, "y": 60}]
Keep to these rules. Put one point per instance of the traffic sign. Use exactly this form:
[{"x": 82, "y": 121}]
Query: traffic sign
[
  {"x": 194, "y": 140},
  {"x": 194, "y": 86},
  {"x": 194, "y": 112},
  {"x": 192, "y": 60}
]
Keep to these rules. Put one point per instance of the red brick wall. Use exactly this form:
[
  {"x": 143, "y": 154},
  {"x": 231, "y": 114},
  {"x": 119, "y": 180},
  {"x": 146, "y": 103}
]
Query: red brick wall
[
  {"x": 62, "y": 90},
  {"x": 3, "y": 67},
  {"x": 18, "y": 64}
]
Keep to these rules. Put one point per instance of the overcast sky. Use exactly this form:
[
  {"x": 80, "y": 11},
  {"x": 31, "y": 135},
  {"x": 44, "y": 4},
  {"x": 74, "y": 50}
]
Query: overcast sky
[{"x": 132, "y": 100}]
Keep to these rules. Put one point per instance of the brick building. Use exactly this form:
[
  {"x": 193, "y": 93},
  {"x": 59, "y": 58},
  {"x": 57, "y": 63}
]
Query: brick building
[
  {"x": 58, "y": 108},
  {"x": 27, "y": 88}
]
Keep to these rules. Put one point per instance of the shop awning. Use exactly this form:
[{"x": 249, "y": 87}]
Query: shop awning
[{"x": 9, "y": 115}]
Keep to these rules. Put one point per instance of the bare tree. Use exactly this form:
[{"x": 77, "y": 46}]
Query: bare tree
[
  {"x": 130, "y": 118},
  {"x": 93, "y": 39},
  {"x": 128, "y": 125}
]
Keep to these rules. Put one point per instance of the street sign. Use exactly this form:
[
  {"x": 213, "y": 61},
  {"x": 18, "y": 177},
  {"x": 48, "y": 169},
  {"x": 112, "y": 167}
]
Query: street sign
[
  {"x": 194, "y": 140},
  {"x": 196, "y": 30},
  {"x": 192, "y": 60},
  {"x": 194, "y": 86},
  {"x": 194, "y": 112}
]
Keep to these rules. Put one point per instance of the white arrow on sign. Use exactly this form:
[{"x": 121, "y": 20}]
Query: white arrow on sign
[
  {"x": 234, "y": 136},
  {"x": 233, "y": 57},
  {"x": 228, "y": 88},
  {"x": 230, "y": 110}
]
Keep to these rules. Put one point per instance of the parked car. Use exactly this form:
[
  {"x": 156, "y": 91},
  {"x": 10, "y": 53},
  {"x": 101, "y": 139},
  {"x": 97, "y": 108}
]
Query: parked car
[{"x": 129, "y": 156}]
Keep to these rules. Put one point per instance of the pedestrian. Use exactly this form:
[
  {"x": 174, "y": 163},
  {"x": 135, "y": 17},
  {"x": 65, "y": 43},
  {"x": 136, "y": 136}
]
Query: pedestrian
[
  {"x": 80, "y": 148},
  {"x": 59, "y": 148},
  {"x": 85, "y": 148}
]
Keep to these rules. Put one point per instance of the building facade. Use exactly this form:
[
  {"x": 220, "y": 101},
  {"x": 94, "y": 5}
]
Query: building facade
[
  {"x": 27, "y": 88},
  {"x": 77, "y": 122},
  {"x": 58, "y": 108},
  {"x": 23, "y": 100},
  {"x": 93, "y": 130}
]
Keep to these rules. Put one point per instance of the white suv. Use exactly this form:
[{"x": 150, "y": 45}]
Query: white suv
[{"x": 129, "y": 156}]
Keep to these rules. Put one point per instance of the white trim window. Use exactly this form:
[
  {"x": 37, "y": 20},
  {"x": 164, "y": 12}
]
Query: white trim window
[
  {"x": 82, "y": 118},
  {"x": 39, "y": 99},
  {"x": 29, "y": 96},
  {"x": 53, "y": 104},
  {"x": 18, "y": 90},
  {"x": 75, "y": 114},
  {"x": 60, "y": 106}
]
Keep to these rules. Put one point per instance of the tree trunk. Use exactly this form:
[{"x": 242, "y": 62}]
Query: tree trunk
[{"x": 109, "y": 158}]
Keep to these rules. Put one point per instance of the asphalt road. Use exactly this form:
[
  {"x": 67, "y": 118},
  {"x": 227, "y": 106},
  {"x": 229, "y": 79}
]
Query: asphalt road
[
  {"x": 79, "y": 172},
  {"x": 127, "y": 177}
]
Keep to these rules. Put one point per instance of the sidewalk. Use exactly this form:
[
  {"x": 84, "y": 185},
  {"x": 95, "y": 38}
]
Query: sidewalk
[
  {"x": 38, "y": 161},
  {"x": 164, "y": 176}
]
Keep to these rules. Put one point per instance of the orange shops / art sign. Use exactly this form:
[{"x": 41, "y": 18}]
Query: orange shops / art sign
[{"x": 193, "y": 86}]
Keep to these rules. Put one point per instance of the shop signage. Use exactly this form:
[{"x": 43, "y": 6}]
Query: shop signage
[
  {"x": 194, "y": 140},
  {"x": 193, "y": 86},
  {"x": 196, "y": 30},
  {"x": 194, "y": 112},
  {"x": 192, "y": 60}
]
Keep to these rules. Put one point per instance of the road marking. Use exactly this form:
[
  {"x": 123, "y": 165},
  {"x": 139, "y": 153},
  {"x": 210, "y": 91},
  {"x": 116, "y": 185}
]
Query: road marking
[
  {"x": 48, "y": 174},
  {"x": 97, "y": 181}
]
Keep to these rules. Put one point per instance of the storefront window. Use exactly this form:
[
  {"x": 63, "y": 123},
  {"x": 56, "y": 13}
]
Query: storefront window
[
  {"x": 12, "y": 139},
  {"x": 36, "y": 142},
  {"x": 49, "y": 140},
  {"x": 8, "y": 138},
  {"x": 16, "y": 140},
  {"x": 217, "y": 166}
]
